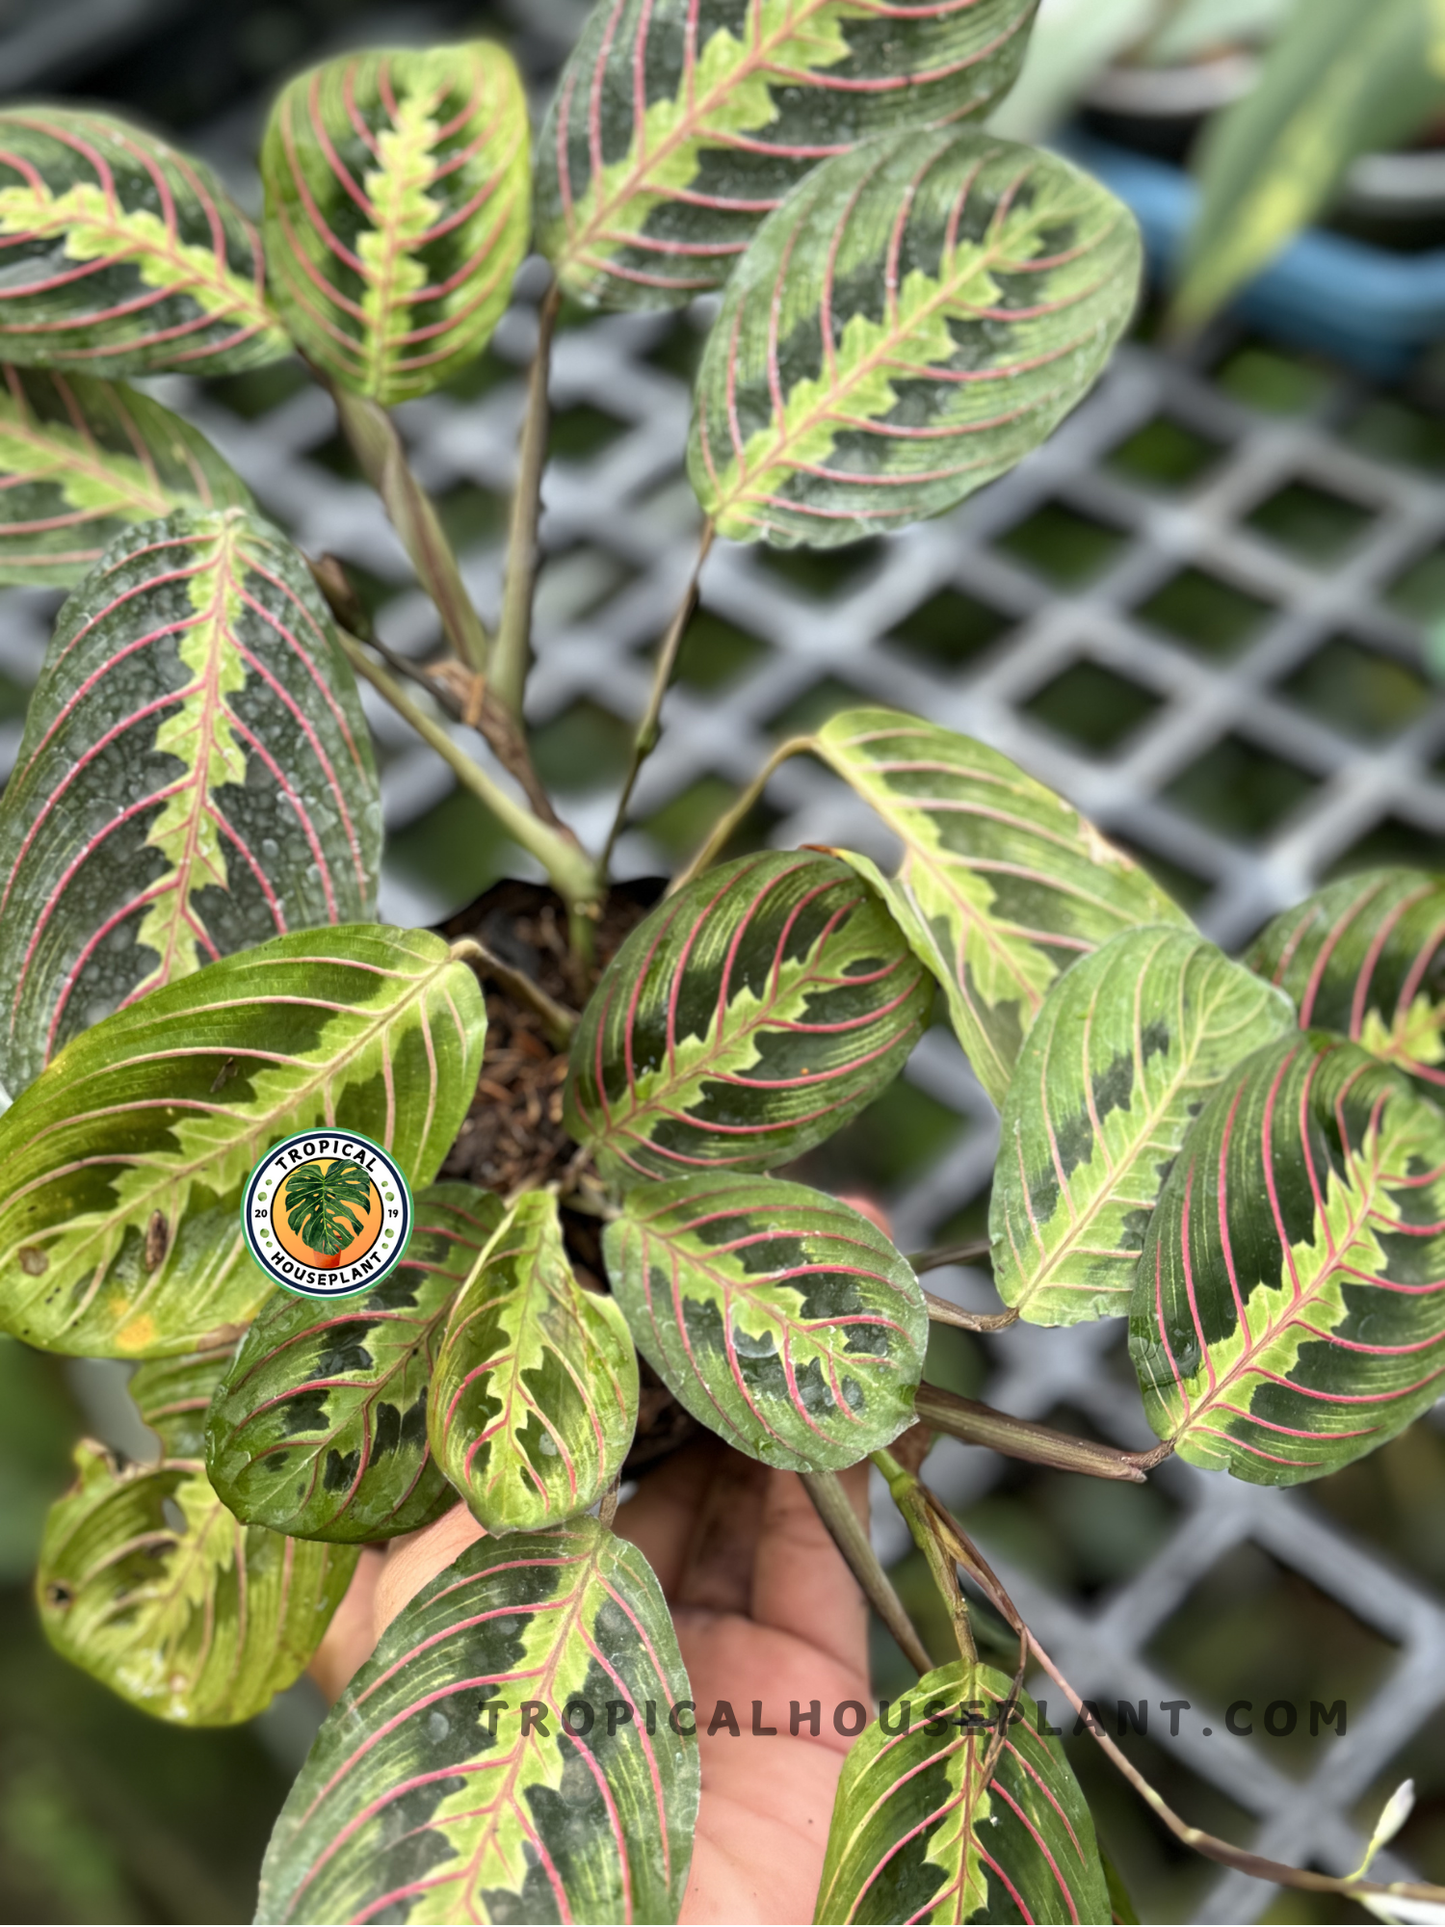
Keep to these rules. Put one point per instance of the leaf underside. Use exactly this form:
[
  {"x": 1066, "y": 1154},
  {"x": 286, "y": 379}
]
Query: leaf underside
[
  {"x": 917, "y": 315},
  {"x": 746, "y": 1019},
  {"x": 83, "y": 459},
  {"x": 1127, "y": 1047},
  {"x": 678, "y": 124},
  {"x": 1366, "y": 957},
  {"x": 157, "y": 1115},
  {"x": 534, "y": 1397},
  {"x": 148, "y": 1583},
  {"x": 781, "y": 1318},
  {"x": 195, "y": 776},
  {"x": 917, "y": 1834},
  {"x": 397, "y": 211},
  {"x": 1289, "y": 1307},
  {"x": 1002, "y": 886},
  {"x": 121, "y": 255},
  {"x": 320, "y": 1426},
  {"x": 408, "y": 1803}
]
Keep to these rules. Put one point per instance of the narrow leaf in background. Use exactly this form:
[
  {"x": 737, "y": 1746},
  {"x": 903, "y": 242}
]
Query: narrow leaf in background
[
  {"x": 122, "y": 1165},
  {"x": 914, "y": 318},
  {"x": 1366, "y": 957},
  {"x": 195, "y": 776},
  {"x": 534, "y": 1397},
  {"x": 123, "y": 256},
  {"x": 746, "y": 1019},
  {"x": 1341, "y": 79},
  {"x": 83, "y": 459},
  {"x": 1127, "y": 1047},
  {"x": 173, "y": 1396},
  {"x": 148, "y": 1583},
  {"x": 398, "y": 207},
  {"x": 430, "y": 1790},
  {"x": 678, "y": 124},
  {"x": 919, "y": 1834},
  {"x": 319, "y": 1427},
  {"x": 1289, "y": 1308},
  {"x": 1002, "y": 887},
  {"x": 781, "y": 1318}
]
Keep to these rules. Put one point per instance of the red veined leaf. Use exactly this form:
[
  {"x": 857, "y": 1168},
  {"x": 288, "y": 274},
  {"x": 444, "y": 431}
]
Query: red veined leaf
[
  {"x": 918, "y": 1834},
  {"x": 173, "y": 1396},
  {"x": 534, "y": 1397},
  {"x": 746, "y": 1019},
  {"x": 195, "y": 776},
  {"x": 447, "y": 1784},
  {"x": 82, "y": 459},
  {"x": 1289, "y": 1306},
  {"x": 122, "y": 255},
  {"x": 781, "y": 1318},
  {"x": 319, "y": 1427},
  {"x": 677, "y": 124},
  {"x": 397, "y": 205},
  {"x": 1366, "y": 956}
]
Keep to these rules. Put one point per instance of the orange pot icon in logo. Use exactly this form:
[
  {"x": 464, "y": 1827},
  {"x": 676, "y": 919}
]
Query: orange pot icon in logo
[
  {"x": 327, "y": 1213},
  {"x": 328, "y": 1206}
]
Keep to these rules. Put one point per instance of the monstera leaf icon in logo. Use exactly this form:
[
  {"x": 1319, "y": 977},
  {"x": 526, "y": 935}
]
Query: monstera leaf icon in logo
[{"x": 326, "y": 1214}]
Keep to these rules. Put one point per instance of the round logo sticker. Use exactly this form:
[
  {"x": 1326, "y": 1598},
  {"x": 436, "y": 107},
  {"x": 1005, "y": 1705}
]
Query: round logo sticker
[{"x": 326, "y": 1214}]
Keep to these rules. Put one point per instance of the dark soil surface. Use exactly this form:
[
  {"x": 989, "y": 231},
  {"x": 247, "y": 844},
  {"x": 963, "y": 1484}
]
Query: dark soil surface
[{"x": 512, "y": 1138}]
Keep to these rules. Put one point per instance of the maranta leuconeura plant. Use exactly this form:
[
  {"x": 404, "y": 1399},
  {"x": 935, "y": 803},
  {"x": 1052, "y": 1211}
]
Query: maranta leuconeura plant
[{"x": 1245, "y": 1159}]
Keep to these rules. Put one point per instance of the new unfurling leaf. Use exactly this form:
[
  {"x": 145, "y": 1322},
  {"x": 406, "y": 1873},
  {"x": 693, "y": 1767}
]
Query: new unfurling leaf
[
  {"x": 450, "y": 1779},
  {"x": 81, "y": 460},
  {"x": 678, "y": 124},
  {"x": 1002, "y": 886},
  {"x": 782, "y": 1319},
  {"x": 534, "y": 1396},
  {"x": 746, "y": 1019},
  {"x": 1126, "y": 1049},
  {"x": 123, "y": 256},
  {"x": 319, "y": 1427},
  {"x": 160, "y": 1112},
  {"x": 1289, "y": 1306},
  {"x": 914, "y": 318},
  {"x": 195, "y": 776},
  {"x": 397, "y": 211}
]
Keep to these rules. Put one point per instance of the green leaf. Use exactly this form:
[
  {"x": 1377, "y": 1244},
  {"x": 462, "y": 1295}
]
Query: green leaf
[
  {"x": 781, "y": 1318},
  {"x": 122, "y": 255},
  {"x": 173, "y": 1396},
  {"x": 1289, "y": 1308},
  {"x": 322, "y": 1202},
  {"x": 1126, "y": 1049},
  {"x": 746, "y": 1019},
  {"x": 148, "y": 1583},
  {"x": 195, "y": 776},
  {"x": 534, "y": 1398},
  {"x": 677, "y": 124},
  {"x": 915, "y": 317},
  {"x": 918, "y": 1834},
  {"x": 424, "y": 1794},
  {"x": 398, "y": 188},
  {"x": 320, "y": 1427},
  {"x": 1002, "y": 887},
  {"x": 1340, "y": 81},
  {"x": 1366, "y": 957},
  {"x": 81, "y": 460},
  {"x": 122, "y": 1165}
]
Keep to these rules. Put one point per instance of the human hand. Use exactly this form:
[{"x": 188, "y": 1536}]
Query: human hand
[{"x": 765, "y": 1610}]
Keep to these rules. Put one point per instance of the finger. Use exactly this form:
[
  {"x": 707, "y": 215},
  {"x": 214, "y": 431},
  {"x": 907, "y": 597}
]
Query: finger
[
  {"x": 349, "y": 1638},
  {"x": 717, "y": 1572},
  {"x": 801, "y": 1582},
  {"x": 418, "y": 1557},
  {"x": 659, "y": 1518}
]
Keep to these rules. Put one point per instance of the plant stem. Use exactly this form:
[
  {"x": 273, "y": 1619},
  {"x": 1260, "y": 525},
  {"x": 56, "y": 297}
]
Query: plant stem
[
  {"x": 645, "y": 740},
  {"x": 725, "y": 826},
  {"x": 848, "y": 1533},
  {"x": 1017, "y": 1438},
  {"x": 570, "y": 869},
  {"x": 512, "y": 650},
  {"x": 558, "y": 1021},
  {"x": 378, "y": 447},
  {"x": 941, "y": 1312},
  {"x": 967, "y": 1253},
  {"x": 913, "y": 1498}
]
